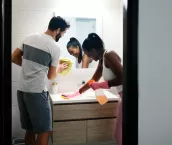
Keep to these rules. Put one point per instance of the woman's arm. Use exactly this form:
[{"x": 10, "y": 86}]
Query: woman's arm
[
  {"x": 85, "y": 61},
  {"x": 113, "y": 62},
  {"x": 97, "y": 75}
]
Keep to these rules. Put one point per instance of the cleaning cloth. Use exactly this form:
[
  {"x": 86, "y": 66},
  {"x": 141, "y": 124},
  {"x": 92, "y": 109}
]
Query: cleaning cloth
[{"x": 69, "y": 62}]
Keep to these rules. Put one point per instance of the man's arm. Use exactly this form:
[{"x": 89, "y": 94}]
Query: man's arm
[
  {"x": 53, "y": 71},
  {"x": 55, "y": 66},
  {"x": 17, "y": 56}
]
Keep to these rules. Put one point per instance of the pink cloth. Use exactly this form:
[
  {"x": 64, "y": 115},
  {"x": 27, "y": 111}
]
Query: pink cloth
[
  {"x": 118, "y": 128},
  {"x": 102, "y": 85},
  {"x": 68, "y": 96}
]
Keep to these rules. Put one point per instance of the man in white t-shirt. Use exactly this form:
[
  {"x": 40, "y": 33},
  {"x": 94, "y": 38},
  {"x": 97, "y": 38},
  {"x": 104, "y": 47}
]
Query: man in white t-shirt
[{"x": 38, "y": 56}]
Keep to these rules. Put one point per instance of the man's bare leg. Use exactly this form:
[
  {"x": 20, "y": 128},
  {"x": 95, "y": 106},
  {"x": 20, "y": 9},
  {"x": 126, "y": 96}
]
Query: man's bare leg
[
  {"x": 42, "y": 139},
  {"x": 30, "y": 138}
]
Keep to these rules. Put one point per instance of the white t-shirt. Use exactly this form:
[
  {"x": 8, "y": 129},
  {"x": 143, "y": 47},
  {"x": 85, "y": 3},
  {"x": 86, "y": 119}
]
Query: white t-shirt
[{"x": 40, "y": 51}]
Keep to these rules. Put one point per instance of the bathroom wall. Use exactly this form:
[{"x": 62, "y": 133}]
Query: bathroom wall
[
  {"x": 33, "y": 16},
  {"x": 29, "y": 16},
  {"x": 73, "y": 80},
  {"x": 155, "y": 72}
]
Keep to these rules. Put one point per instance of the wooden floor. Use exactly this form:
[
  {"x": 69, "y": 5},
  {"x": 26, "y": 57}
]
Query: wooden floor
[
  {"x": 99, "y": 143},
  {"x": 102, "y": 143}
]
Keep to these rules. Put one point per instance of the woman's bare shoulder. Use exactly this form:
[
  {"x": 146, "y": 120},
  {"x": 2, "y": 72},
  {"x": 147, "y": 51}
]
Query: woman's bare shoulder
[{"x": 112, "y": 54}]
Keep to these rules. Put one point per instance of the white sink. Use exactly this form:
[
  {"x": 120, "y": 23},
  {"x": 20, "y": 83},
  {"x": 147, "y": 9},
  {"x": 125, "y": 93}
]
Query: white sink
[{"x": 88, "y": 96}]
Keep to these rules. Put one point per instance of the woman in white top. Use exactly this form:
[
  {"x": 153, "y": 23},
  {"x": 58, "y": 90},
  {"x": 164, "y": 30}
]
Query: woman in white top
[
  {"x": 74, "y": 48},
  {"x": 110, "y": 68}
]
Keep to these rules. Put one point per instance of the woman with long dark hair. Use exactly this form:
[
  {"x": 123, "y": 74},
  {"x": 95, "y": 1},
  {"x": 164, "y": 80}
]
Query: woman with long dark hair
[{"x": 75, "y": 49}]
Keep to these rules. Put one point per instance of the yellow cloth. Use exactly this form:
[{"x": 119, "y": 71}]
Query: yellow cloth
[{"x": 69, "y": 62}]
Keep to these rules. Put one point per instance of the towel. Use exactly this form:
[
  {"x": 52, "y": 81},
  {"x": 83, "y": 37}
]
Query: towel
[{"x": 69, "y": 62}]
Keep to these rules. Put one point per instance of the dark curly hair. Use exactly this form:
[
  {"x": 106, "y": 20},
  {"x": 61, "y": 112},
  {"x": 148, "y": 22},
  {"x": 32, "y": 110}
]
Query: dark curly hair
[{"x": 58, "y": 22}]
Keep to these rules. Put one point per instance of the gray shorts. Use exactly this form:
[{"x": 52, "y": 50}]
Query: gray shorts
[{"x": 35, "y": 111}]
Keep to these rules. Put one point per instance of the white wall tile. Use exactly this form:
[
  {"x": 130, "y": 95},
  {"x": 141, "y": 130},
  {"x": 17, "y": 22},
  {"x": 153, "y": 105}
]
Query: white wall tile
[
  {"x": 112, "y": 31},
  {"x": 17, "y": 131},
  {"x": 32, "y": 19},
  {"x": 15, "y": 86},
  {"x": 16, "y": 70},
  {"x": 78, "y": 75},
  {"x": 45, "y": 4},
  {"x": 41, "y": 4},
  {"x": 16, "y": 4},
  {"x": 26, "y": 22},
  {"x": 70, "y": 82},
  {"x": 111, "y": 4},
  {"x": 70, "y": 5},
  {"x": 17, "y": 40}
]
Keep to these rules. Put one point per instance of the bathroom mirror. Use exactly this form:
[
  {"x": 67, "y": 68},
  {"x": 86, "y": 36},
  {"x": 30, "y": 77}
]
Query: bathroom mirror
[{"x": 80, "y": 28}]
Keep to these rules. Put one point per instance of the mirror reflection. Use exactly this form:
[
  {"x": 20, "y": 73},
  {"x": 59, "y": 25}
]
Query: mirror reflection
[{"x": 71, "y": 44}]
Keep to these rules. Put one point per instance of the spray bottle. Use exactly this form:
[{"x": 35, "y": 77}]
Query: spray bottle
[{"x": 100, "y": 96}]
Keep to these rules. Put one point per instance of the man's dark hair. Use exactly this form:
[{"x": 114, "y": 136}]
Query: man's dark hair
[{"x": 58, "y": 22}]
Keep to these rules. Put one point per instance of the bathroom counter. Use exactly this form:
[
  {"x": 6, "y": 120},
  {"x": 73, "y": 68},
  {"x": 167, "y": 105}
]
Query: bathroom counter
[
  {"x": 83, "y": 120},
  {"x": 88, "y": 96}
]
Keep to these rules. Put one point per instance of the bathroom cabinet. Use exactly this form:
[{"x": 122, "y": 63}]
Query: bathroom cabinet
[{"x": 83, "y": 122}]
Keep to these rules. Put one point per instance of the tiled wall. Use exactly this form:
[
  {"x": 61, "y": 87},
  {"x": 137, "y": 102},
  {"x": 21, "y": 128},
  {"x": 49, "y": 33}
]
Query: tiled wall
[
  {"x": 73, "y": 80},
  {"x": 29, "y": 16}
]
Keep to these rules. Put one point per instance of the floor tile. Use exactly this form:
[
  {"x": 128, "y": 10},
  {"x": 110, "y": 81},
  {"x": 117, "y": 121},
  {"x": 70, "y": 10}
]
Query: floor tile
[{"x": 102, "y": 143}]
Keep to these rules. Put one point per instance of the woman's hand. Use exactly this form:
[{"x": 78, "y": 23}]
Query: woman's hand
[
  {"x": 102, "y": 85},
  {"x": 68, "y": 96}
]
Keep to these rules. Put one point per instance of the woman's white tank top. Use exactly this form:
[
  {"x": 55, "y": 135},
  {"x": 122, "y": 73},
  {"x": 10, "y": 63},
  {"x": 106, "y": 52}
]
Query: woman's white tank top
[{"x": 109, "y": 75}]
